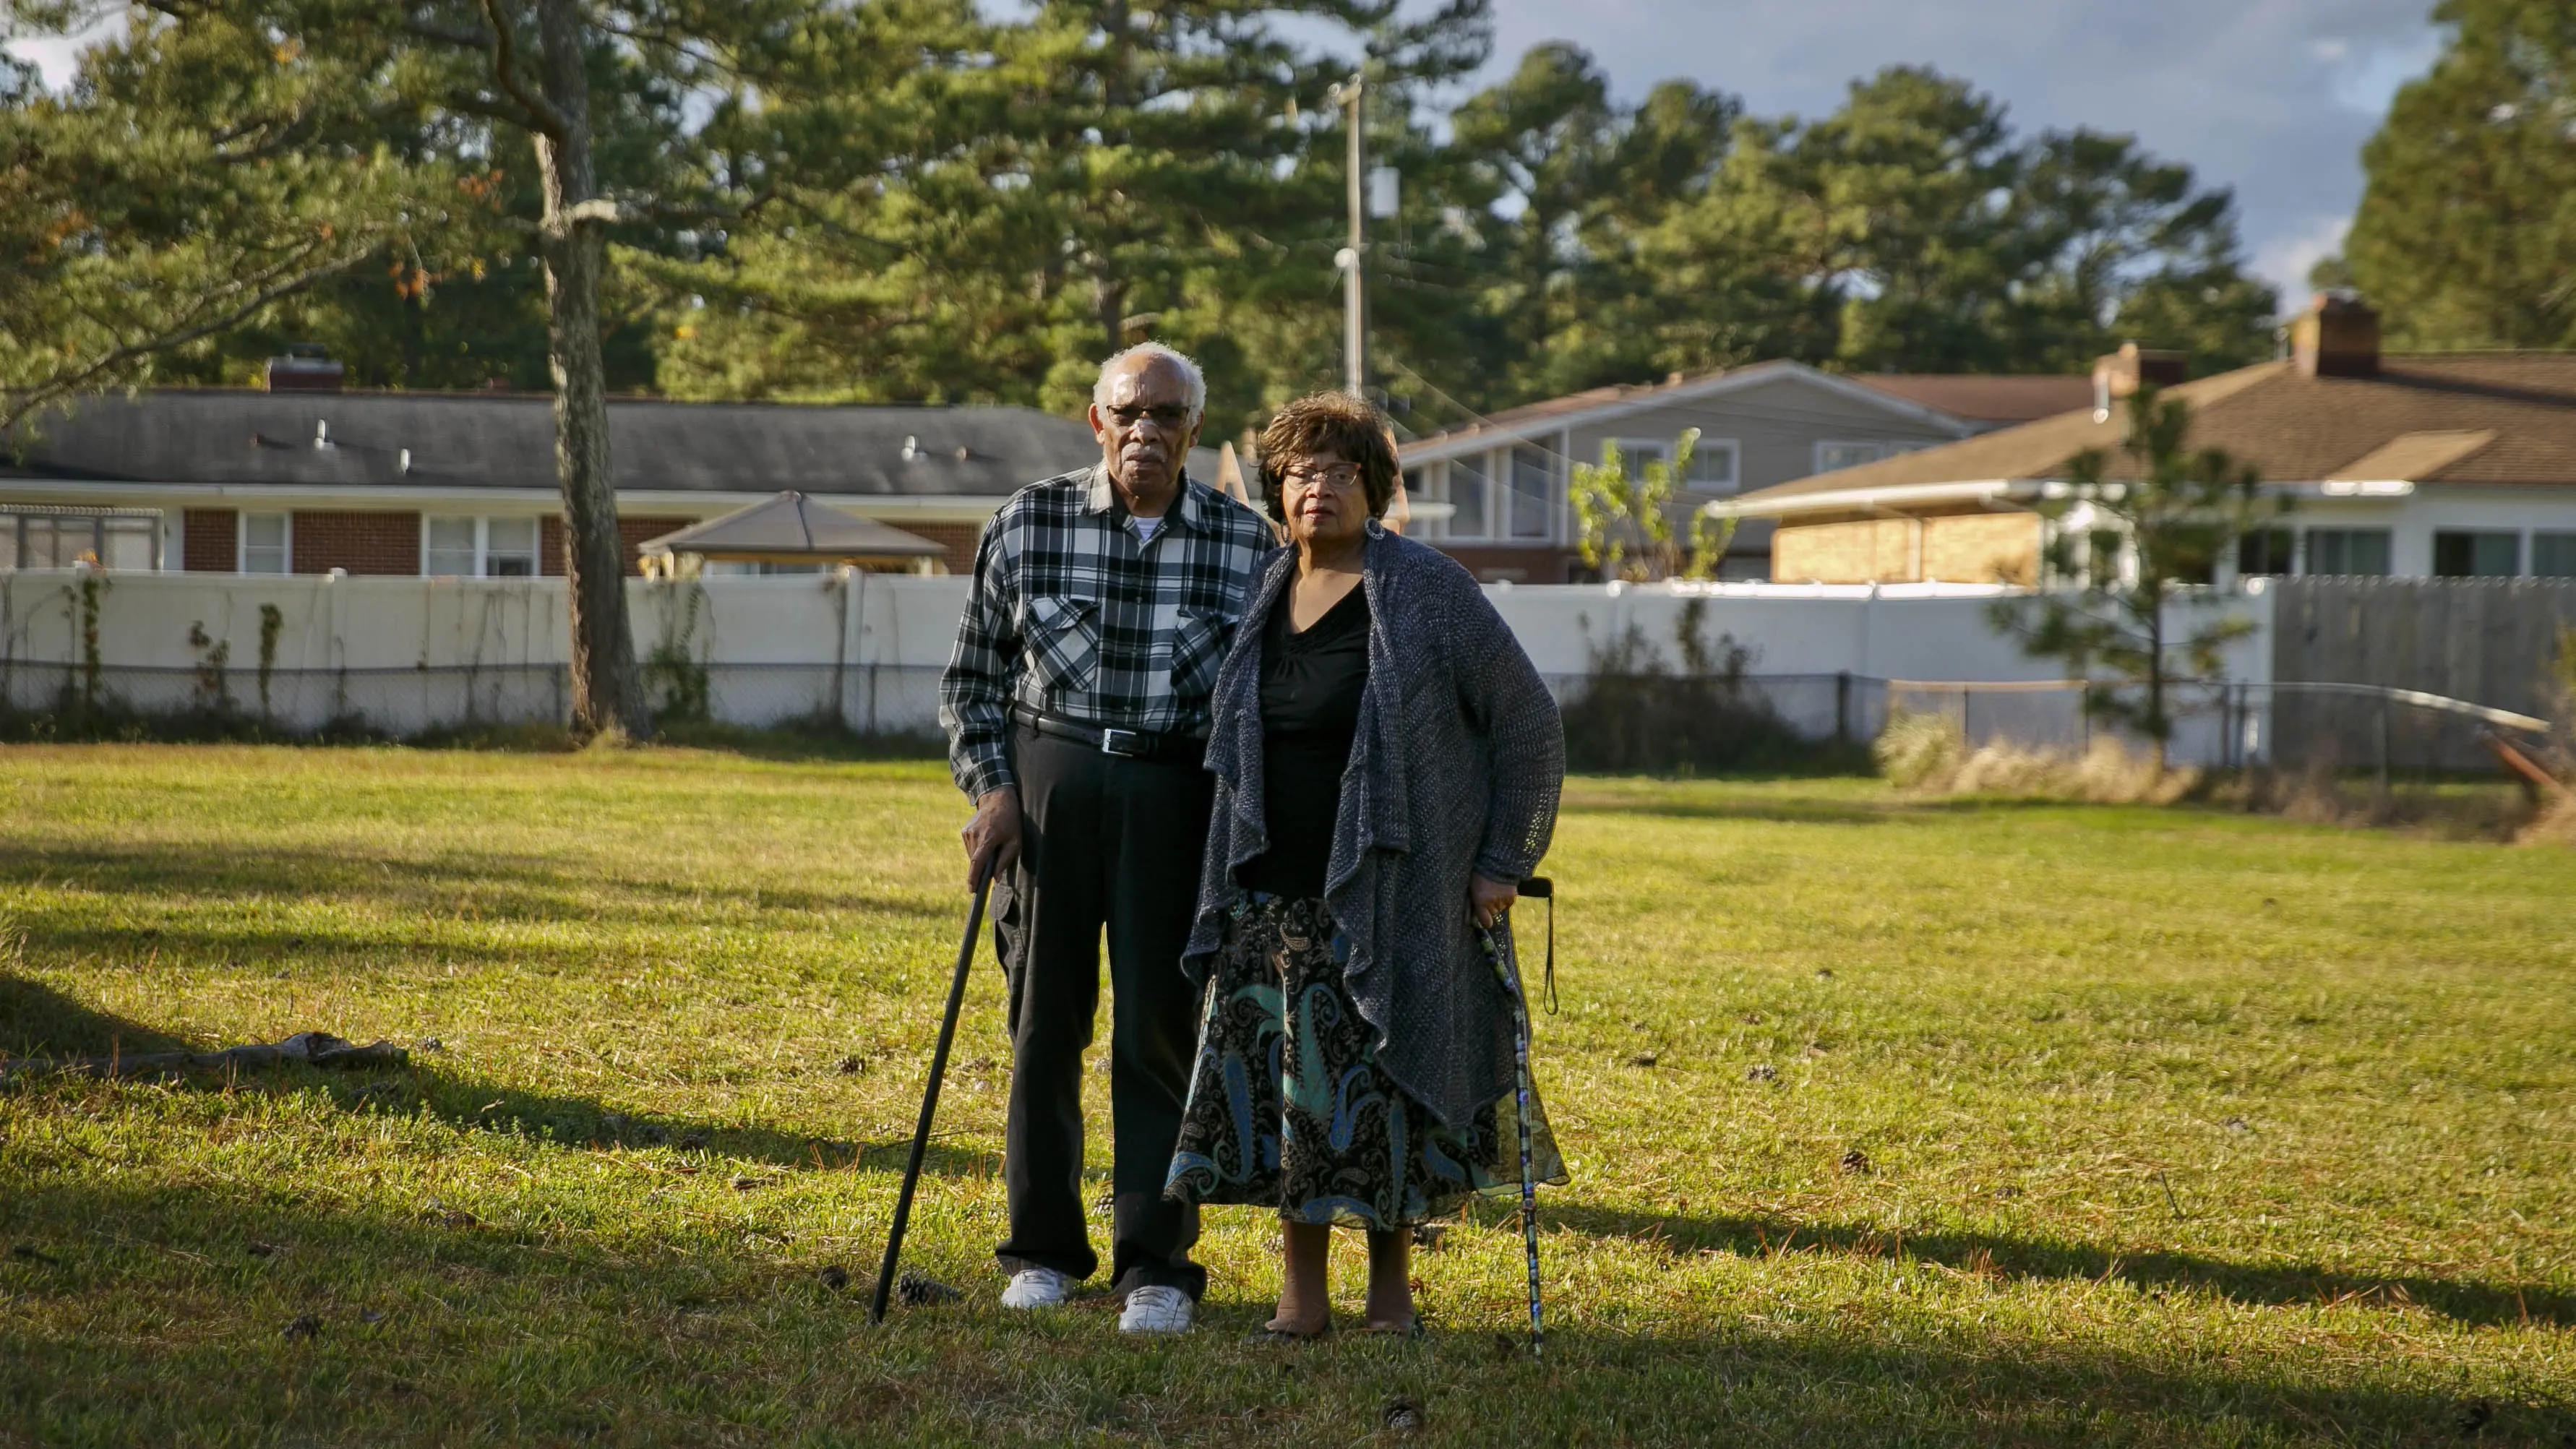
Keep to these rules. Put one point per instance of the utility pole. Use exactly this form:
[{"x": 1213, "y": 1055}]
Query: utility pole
[{"x": 1354, "y": 370}]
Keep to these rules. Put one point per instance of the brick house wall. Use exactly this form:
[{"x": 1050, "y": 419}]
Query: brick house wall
[
  {"x": 1519, "y": 565},
  {"x": 210, "y": 540},
  {"x": 957, "y": 538},
  {"x": 361, "y": 542}
]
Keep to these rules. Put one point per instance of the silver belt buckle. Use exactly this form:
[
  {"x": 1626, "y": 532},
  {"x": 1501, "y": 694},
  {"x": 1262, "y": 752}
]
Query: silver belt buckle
[{"x": 1128, "y": 744}]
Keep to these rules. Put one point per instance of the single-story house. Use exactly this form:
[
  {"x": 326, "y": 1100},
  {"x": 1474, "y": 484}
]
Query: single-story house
[
  {"x": 2406, "y": 464},
  {"x": 303, "y": 478},
  {"x": 1504, "y": 478}
]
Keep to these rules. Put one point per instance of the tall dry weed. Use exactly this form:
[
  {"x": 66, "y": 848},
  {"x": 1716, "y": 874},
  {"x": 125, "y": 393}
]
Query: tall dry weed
[{"x": 1929, "y": 755}]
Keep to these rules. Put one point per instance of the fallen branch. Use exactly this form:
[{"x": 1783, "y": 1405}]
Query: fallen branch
[{"x": 313, "y": 1048}]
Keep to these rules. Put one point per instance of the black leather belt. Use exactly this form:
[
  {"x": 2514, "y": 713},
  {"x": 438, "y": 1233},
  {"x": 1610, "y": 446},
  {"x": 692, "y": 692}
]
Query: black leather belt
[{"x": 1126, "y": 744}]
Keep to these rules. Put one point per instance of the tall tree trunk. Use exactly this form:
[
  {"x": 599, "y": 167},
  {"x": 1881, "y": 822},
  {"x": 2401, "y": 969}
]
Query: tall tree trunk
[
  {"x": 1109, "y": 303},
  {"x": 2159, "y": 729},
  {"x": 605, "y": 688}
]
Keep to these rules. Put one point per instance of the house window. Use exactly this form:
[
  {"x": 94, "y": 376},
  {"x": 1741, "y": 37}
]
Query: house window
[
  {"x": 2263, "y": 551},
  {"x": 1712, "y": 467},
  {"x": 479, "y": 548},
  {"x": 52, "y": 539},
  {"x": 1466, "y": 498},
  {"x": 510, "y": 548},
  {"x": 2476, "y": 555},
  {"x": 267, "y": 543},
  {"x": 2348, "y": 551},
  {"x": 448, "y": 547},
  {"x": 1832, "y": 457},
  {"x": 1533, "y": 500},
  {"x": 2553, "y": 555},
  {"x": 1636, "y": 453}
]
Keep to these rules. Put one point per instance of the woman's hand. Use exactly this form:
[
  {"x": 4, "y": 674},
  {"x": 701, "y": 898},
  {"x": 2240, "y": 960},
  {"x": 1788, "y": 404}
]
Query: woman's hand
[{"x": 1487, "y": 900}]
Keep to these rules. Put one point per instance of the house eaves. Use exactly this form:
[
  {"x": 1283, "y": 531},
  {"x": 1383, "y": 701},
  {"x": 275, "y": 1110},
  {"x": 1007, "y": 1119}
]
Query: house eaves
[
  {"x": 1477, "y": 437},
  {"x": 1892, "y": 498}
]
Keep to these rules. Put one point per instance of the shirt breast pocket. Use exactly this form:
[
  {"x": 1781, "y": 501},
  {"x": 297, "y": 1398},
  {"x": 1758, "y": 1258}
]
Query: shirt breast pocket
[
  {"x": 1063, "y": 635},
  {"x": 1198, "y": 649}
]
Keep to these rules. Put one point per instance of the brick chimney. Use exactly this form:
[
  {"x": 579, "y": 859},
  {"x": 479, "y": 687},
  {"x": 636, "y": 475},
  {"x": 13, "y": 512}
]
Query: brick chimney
[
  {"x": 306, "y": 367},
  {"x": 2338, "y": 336},
  {"x": 2119, "y": 374}
]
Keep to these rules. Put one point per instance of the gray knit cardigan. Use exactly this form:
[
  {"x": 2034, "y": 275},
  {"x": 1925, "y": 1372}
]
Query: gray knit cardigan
[{"x": 1455, "y": 769}]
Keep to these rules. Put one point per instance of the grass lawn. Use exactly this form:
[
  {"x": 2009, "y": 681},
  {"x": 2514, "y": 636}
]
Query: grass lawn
[{"x": 1890, "y": 1122}]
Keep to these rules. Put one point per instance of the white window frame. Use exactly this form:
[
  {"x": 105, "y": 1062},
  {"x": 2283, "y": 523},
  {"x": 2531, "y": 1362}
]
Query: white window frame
[
  {"x": 482, "y": 544},
  {"x": 1734, "y": 452},
  {"x": 286, "y": 539},
  {"x": 1448, "y": 493},
  {"x": 1552, "y": 503},
  {"x": 1632, "y": 451},
  {"x": 1877, "y": 447}
]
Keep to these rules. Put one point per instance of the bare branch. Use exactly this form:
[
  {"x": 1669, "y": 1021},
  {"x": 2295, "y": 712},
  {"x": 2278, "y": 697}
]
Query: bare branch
[
  {"x": 185, "y": 331},
  {"x": 543, "y": 117}
]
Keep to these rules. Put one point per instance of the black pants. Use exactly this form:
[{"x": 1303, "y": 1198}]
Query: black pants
[{"x": 1114, "y": 842}]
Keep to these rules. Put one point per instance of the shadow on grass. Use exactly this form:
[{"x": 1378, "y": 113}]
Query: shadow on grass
[
  {"x": 37, "y": 1021},
  {"x": 493, "y": 887},
  {"x": 2466, "y": 1300},
  {"x": 400, "y": 1323}
]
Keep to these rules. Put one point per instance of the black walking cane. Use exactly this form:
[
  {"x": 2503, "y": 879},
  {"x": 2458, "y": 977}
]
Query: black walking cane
[
  {"x": 930, "y": 1098},
  {"x": 1541, "y": 888}
]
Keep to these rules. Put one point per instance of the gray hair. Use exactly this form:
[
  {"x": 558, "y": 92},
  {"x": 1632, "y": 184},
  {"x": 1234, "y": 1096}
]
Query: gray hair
[{"x": 1194, "y": 383}]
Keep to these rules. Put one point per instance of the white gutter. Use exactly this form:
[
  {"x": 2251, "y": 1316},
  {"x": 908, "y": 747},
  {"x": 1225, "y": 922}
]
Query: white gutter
[
  {"x": 1863, "y": 500},
  {"x": 933, "y": 508}
]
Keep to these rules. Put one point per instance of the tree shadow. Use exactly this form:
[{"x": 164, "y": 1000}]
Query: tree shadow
[
  {"x": 497, "y": 887},
  {"x": 386, "y": 1323},
  {"x": 2470, "y": 1301},
  {"x": 38, "y": 1022}
]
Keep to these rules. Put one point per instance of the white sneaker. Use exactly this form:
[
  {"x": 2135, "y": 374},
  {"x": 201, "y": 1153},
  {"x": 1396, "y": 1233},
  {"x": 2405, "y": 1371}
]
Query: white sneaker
[
  {"x": 1156, "y": 1309},
  {"x": 1037, "y": 1288}
]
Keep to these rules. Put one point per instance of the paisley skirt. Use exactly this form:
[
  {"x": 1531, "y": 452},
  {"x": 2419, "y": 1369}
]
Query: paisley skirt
[{"x": 1287, "y": 1107}]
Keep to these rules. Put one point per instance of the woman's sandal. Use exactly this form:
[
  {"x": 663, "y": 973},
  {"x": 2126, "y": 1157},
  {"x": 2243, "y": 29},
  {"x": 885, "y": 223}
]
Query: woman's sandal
[{"x": 1413, "y": 1331}]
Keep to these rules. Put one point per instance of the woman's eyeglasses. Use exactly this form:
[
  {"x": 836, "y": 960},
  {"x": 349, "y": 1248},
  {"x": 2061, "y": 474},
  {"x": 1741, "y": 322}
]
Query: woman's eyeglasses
[{"x": 1341, "y": 478}]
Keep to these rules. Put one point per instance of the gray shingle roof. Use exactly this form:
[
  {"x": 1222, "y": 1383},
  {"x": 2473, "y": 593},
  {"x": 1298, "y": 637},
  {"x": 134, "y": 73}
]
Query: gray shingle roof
[{"x": 507, "y": 441}]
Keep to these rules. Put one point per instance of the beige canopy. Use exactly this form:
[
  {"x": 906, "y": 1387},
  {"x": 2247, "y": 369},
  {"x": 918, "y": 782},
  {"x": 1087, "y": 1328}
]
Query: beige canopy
[{"x": 793, "y": 528}]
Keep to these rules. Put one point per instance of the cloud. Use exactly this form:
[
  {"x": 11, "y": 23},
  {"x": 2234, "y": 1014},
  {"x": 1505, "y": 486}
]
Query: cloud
[
  {"x": 2272, "y": 98},
  {"x": 58, "y": 56},
  {"x": 2286, "y": 259}
]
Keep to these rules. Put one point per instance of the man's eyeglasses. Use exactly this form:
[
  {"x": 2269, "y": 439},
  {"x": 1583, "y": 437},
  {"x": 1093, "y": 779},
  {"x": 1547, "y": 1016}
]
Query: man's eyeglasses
[
  {"x": 1341, "y": 478},
  {"x": 1170, "y": 417}
]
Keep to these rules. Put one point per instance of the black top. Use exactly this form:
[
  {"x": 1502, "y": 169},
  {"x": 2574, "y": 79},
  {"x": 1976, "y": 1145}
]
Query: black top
[{"x": 1310, "y": 708}]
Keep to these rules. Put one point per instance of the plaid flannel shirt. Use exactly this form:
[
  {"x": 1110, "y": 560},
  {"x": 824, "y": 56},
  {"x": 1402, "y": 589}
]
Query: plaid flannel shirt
[{"x": 1072, "y": 616}]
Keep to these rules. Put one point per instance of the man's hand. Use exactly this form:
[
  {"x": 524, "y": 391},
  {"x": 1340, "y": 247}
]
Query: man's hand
[
  {"x": 993, "y": 836},
  {"x": 1487, "y": 900}
]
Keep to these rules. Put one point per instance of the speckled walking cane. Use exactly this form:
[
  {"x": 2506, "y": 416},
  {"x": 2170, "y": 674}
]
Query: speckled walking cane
[{"x": 1503, "y": 968}]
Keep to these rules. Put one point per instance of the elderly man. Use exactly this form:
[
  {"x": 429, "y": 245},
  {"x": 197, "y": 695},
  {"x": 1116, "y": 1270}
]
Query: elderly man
[{"x": 1076, "y": 707}]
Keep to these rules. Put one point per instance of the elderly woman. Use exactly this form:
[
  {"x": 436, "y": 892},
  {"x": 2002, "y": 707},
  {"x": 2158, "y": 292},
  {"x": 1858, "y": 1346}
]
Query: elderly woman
[{"x": 1387, "y": 768}]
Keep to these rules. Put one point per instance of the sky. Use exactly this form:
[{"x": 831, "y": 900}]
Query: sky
[{"x": 2272, "y": 98}]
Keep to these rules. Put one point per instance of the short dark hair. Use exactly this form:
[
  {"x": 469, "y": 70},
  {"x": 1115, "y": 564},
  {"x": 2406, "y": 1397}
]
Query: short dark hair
[{"x": 1329, "y": 422}]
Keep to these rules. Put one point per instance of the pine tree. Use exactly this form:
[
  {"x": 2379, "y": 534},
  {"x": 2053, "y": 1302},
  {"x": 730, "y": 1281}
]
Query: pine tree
[
  {"x": 2466, "y": 234},
  {"x": 2176, "y": 513}
]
